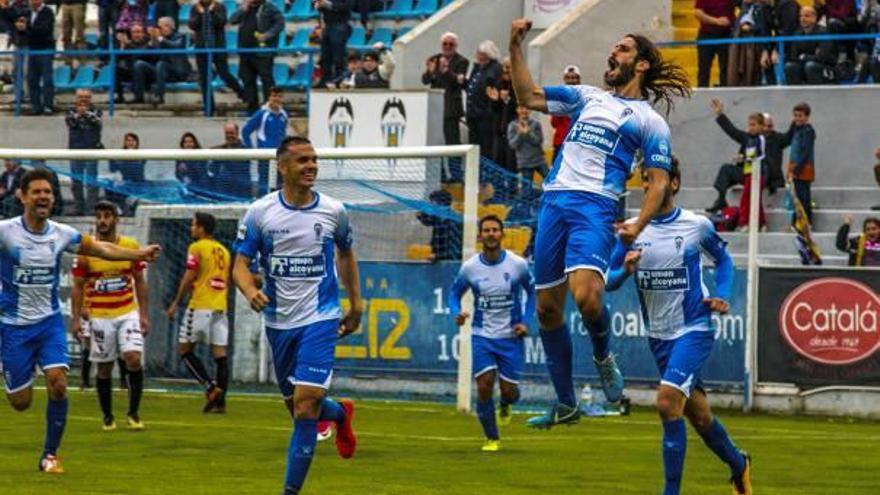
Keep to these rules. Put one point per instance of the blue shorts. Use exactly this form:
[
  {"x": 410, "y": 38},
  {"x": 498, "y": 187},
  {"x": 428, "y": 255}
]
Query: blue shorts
[
  {"x": 575, "y": 231},
  {"x": 23, "y": 347},
  {"x": 680, "y": 360},
  {"x": 303, "y": 355},
  {"x": 504, "y": 355}
]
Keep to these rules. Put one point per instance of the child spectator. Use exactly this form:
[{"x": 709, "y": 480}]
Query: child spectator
[
  {"x": 801, "y": 167},
  {"x": 863, "y": 249},
  {"x": 526, "y": 138}
]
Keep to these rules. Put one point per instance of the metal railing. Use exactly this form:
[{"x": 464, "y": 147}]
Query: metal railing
[
  {"x": 112, "y": 55},
  {"x": 779, "y": 42}
]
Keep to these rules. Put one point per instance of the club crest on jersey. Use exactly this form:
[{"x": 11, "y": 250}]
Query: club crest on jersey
[
  {"x": 506, "y": 277},
  {"x": 319, "y": 230},
  {"x": 626, "y": 112},
  {"x": 679, "y": 240}
]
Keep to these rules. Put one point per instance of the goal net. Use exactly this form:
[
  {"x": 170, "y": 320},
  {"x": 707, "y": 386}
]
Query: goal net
[{"x": 414, "y": 213}]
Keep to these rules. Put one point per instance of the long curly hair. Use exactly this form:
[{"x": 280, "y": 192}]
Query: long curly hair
[{"x": 664, "y": 80}]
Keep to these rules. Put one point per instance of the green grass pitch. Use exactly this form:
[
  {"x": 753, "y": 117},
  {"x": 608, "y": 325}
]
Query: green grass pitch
[{"x": 417, "y": 449}]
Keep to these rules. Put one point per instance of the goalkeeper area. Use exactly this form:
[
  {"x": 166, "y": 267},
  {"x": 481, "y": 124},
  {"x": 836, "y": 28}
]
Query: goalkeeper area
[{"x": 417, "y": 448}]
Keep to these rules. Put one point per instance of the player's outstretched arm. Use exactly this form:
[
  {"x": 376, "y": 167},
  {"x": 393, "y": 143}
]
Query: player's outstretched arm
[
  {"x": 346, "y": 263},
  {"x": 247, "y": 284},
  {"x": 459, "y": 287},
  {"x": 619, "y": 272},
  {"x": 658, "y": 181},
  {"x": 713, "y": 245},
  {"x": 528, "y": 94},
  {"x": 113, "y": 252}
]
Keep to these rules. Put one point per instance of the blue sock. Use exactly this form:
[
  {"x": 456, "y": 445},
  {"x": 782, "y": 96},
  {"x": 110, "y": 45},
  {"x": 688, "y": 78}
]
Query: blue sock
[
  {"x": 674, "y": 447},
  {"x": 717, "y": 439},
  {"x": 557, "y": 347},
  {"x": 486, "y": 415},
  {"x": 300, "y": 452},
  {"x": 56, "y": 419},
  {"x": 331, "y": 411},
  {"x": 599, "y": 334}
]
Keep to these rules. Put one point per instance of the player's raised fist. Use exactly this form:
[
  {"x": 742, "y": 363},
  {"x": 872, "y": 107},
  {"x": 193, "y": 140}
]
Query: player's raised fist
[
  {"x": 631, "y": 261},
  {"x": 717, "y": 305},
  {"x": 151, "y": 253},
  {"x": 628, "y": 232},
  {"x": 258, "y": 301},
  {"x": 520, "y": 330},
  {"x": 518, "y": 30},
  {"x": 461, "y": 318}
]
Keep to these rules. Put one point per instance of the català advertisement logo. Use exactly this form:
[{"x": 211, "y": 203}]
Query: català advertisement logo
[{"x": 831, "y": 320}]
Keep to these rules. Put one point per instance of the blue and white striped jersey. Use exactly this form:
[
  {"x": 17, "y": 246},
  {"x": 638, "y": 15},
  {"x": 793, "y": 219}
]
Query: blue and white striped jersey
[
  {"x": 606, "y": 131},
  {"x": 670, "y": 273},
  {"x": 29, "y": 269},
  {"x": 498, "y": 288},
  {"x": 296, "y": 248}
]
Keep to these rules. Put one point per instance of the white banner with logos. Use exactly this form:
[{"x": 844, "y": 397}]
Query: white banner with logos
[{"x": 545, "y": 13}]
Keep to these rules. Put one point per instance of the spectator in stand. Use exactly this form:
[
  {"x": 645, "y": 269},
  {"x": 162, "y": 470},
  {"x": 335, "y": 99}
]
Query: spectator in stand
[
  {"x": 863, "y": 249},
  {"x": 73, "y": 24},
  {"x": 133, "y": 12},
  {"x": 168, "y": 68},
  {"x": 744, "y": 60},
  {"x": 346, "y": 79},
  {"x": 260, "y": 25},
  {"x": 35, "y": 29},
  {"x": 502, "y": 102},
  {"x": 108, "y": 16},
  {"x": 10, "y": 182},
  {"x": 841, "y": 17},
  {"x": 192, "y": 173},
  {"x": 443, "y": 71},
  {"x": 270, "y": 124},
  {"x": 716, "y": 19},
  {"x": 133, "y": 39},
  {"x": 233, "y": 176},
  {"x": 752, "y": 151},
  {"x": 785, "y": 21},
  {"x": 445, "y": 232},
  {"x": 870, "y": 18},
  {"x": 370, "y": 76},
  {"x": 527, "y": 139},
  {"x": 84, "y": 127},
  {"x": 571, "y": 76},
  {"x": 14, "y": 12},
  {"x": 484, "y": 73},
  {"x": 336, "y": 30},
  {"x": 132, "y": 173},
  {"x": 810, "y": 62},
  {"x": 167, "y": 8},
  {"x": 776, "y": 142},
  {"x": 207, "y": 21},
  {"x": 801, "y": 159}
]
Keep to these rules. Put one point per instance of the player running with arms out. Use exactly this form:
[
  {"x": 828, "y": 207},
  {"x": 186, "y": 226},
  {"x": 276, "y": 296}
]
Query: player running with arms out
[
  {"x": 677, "y": 310},
  {"x": 112, "y": 297},
  {"x": 497, "y": 278},
  {"x": 575, "y": 234},
  {"x": 31, "y": 326},
  {"x": 208, "y": 265},
  {"x": 298, "y": 233}
]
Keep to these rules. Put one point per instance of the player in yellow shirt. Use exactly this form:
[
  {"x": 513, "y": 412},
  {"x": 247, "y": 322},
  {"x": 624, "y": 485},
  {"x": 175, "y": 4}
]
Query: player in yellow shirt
[
  {"x": 207, "y": 277},
  {"x": 112, "y": 297}
]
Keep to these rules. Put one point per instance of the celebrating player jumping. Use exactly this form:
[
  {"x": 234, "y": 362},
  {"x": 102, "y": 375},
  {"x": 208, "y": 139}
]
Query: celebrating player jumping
[
  {"x": 207, "y": 277},
  {"x": 575, "y": 234},
  {"x": 677, "y": 310},
  {"x": 112, "y": 296},
  {"x": 297, "y": 233},
  {"x": 31, "y": 325},
  {"x": 497, "y": 278}
]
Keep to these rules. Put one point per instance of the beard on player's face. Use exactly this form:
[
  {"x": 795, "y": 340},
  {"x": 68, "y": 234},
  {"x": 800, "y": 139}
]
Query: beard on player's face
[{"x": 619, "y": 73}]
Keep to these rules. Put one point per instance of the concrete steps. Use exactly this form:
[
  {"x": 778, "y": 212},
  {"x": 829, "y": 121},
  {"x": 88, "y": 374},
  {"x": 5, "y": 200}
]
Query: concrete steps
[{"x": 836, "y": 199}]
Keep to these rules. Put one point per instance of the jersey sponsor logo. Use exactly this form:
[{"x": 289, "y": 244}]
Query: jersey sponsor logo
[
  {"x": 242, "y": 231},
  {"x": 832, "y": 320},
  {"x": 111, "y": 284},
  {"x": 495, "y": 301},
  {"x": 593, "y": 136},
  {"x": 297, "y": 266},
  {"x": 217, "y": 284},
  {"x": 33, "y": 276},
  {"x": 671, "y": 279}
]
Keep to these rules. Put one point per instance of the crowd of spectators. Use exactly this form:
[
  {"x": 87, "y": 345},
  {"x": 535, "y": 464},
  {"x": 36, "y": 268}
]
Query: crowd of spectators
[{"x": 806, "y": 61}]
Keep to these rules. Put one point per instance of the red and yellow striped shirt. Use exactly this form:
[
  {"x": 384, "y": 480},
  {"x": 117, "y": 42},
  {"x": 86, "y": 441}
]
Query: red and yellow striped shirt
[{"x": 109, "y": 291}]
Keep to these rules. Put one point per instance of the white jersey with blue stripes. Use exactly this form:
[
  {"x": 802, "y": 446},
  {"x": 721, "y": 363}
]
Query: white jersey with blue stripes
[
  {"x": 29, "y": 269},
  {"x": 498, "y": 289},
  {"x": 670, "y": 273},
  {"x": 606, "y": 131},
  {"x": 296, "y": 248}
]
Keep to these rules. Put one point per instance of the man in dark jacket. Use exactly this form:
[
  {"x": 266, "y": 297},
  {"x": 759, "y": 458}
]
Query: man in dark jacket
[
  {"x": 207, "y": 21},
  {"x": 810, "y": 62},
  {"x": 233, "y": 177},
  {"x": 776, "y": 142},
  {"x": 168, "y": 68},
  {"x": 135, "y": 39},
  {"x": 35, "y": 30},
  {"x": 485, "y": 72},
  {"x": 369, "y": 77},
  {"x": 260, "y": 25},
  {"x": 442, "y": 71},
  {"x": 84, "y": 133},
  {"x": 334, "y": 36}
]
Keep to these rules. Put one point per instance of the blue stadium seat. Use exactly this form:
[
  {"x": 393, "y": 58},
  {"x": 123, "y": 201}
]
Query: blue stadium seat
[
  {"x": 358, "y": 38},
  {"x": 218, "y": 83},
  {"x": 444, "y": 3},
  {"x": 102, "y": 82},
  {"x": 384, "y": 35},
  {"x": 300, "y": 39},
  {"x": 92, "y": 39},
  {"x": 300, "y": 77},
  {"x": 426, "y": 8},
  {"x": 183, "y": 16},
  {"x": 281, "y": 74},
  {"x": 61, "y": 77},
  {"x": 231, "y": 6},
  {"x": 402, "y": 31},
  {"x": 398, "y": 10},
  {"x": 301, "y": 10},
  {"x": 231, "y": 39},
  {"x": 84, "y": 78}
]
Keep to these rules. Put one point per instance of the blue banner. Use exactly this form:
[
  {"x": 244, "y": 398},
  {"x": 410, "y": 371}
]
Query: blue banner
[{"x": 407, "y": 329}]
